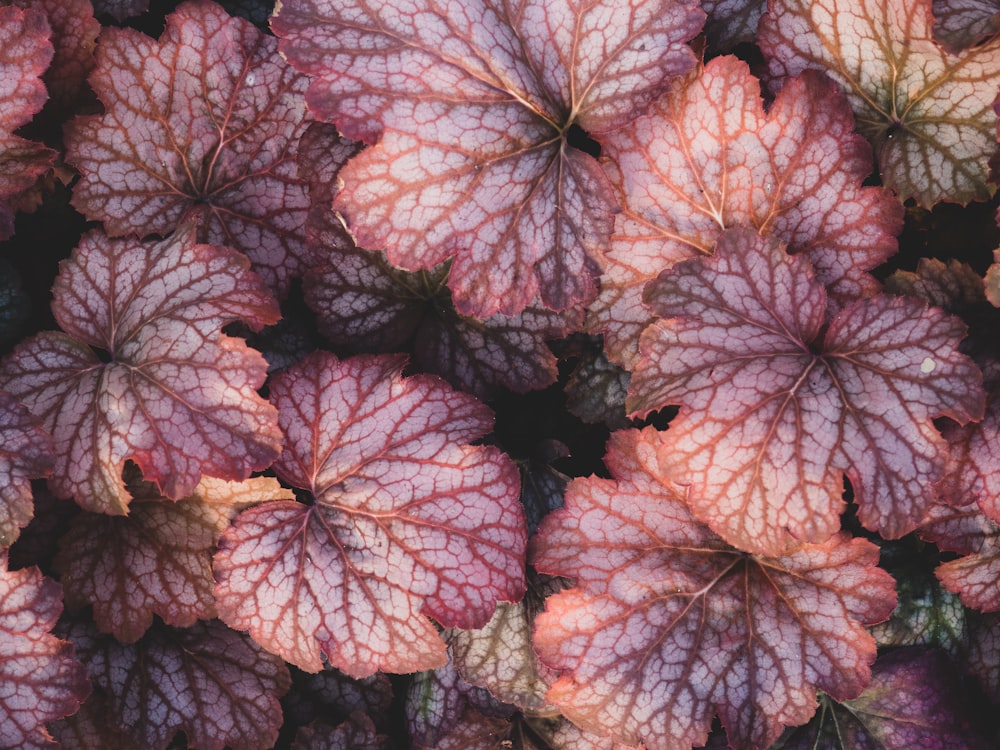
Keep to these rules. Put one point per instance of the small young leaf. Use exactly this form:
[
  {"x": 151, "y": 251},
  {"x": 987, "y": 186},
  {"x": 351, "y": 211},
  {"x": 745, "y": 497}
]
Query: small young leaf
[
  {"x": 928, "y": 114},
  {"x": 175, "y": 395},
  {"x": 41, "y": 680},
  {"x": 357, "y": 733},
  {"x": 778, "y": 405},
  {"x": 201, "y": 126},
  {"x": 25, "y": 53},
  {"x": 408, "y": 521},
  {"x": 158, "y": 559},
  {"x": 25, "y": 454},
  {"x": 668, "y": 625},
  {"x": 474, "y": 107},
  {"x": 707, "y": 157}
]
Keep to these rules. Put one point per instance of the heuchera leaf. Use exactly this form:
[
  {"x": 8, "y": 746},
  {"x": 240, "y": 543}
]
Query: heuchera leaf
[
  {"x": 41, "y": 680},
  {"x": 331, "y": 696},
  {"x": 167, "y": 390},
  {"x": 25, "y": 53},
  {"x": 911, "y": 703},
  {"x": 158, "y": 559},
  {"x": 964, "y": 23},
  {"x": 474, "y": 106},
  {"x": 668, "y": 625},
  {"x": 25, "y": 454},
  {"x": 730, "y": 22},
  {"x": 983, "y": 655},
  {"x": 121, "y": 9},
  {"x": 210, "y": 682},
  {"x": 928, "y": 113},
  {"x": 778, "y": 403},
  {"x": 202, "y": 124},
  {"x": 408, "y": 521},
  {"x": 357, "y": 733},
  {"x": 707, "y": 156}
]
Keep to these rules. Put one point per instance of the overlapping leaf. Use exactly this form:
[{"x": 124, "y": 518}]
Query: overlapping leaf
[
  {"x": 210, "y": 682},
  {"x": 25, "y": 53},
  {"x": 779, "y": 403},
  {"x": 143, "y": 372},
  {"x": 41, "y": 679},
  {"x": 158, "y": 560},
  {"x": 929, "y": 114},
  {"x": 667, "y": 625},
  {"x": 202, "y": 124},
  {"x": 911, "y": 703},
  {"x": 730, "y": 22},
  {"x": 707, "y": 156},
  {"x": 25, "y": 454},
  {"x": 475, "y": 106},
  {"x": 408, "y": 521},
  {"x": 965, "y": 23},
  {"x": 357, "y": 733}
]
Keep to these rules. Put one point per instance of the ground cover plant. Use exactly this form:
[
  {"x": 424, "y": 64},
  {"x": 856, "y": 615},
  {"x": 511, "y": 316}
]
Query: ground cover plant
[{"x": 475, "y": 374}]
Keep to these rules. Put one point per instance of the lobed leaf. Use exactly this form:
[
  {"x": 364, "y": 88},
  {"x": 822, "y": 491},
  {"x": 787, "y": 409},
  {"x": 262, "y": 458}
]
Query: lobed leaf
[
  {"x": 965, "y": 23},
  {"x": 25, "y": 454},
  {"x": 41, "y": 679},
  {"x": 927, "y": 113},
  {"x": 407, "y": 521},
  {"x": 779, "y": 404},
  {"x": 667, "y": 625},
  {"x": 474, "y": 107},
  {"x": 200, "y": 126},
  {"x": 165, "y": 389},
  {"x": 707, "y": 156},
  {"x": 156, "y": 561}
]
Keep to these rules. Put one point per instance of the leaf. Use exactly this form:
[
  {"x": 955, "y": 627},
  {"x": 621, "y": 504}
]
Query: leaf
[
  {"x": 952, "y": 285},
  {"x": 25, "y": 53},
  {"x": 707, "y": 156},
  {"x": 731, "y": 22},
  {"x": 983, "y": 656},
  {"x": 332, "y": 696},
  {"x": 408, "y": 521},
  {"x": 357, "y": 733},
  {"x": 165, "y": 389},
  {"x": 200, "y": 126},
  {"x": 41, "y": 679},
  {"x": 158, "y": 559},
  {"x": 121, "y": 9},
  {"x": 475, "y": 108},
  {"x": 992, "y": 280},
  {"x": 965, "y": 23},
  {"x": 596, "y": 390},
  {"x": 25, "y": 454},
  {"x": 207, "y": 681},
  {"x": 778, "y": 404},
  {"x": 928, "y": 114},
  {"x": 668, "y": 625},
  {"x": 912, "y": 701}
]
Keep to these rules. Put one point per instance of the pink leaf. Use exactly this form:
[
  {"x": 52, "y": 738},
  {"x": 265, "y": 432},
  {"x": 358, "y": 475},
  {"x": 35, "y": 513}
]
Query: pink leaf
[
  {"x": 201, "y": 125},
  {"x": 707, "y": 156},
  {"x": 778, "y": 404},
  {"x": 975, "y": 575},
  {"x": 408, "y": 521},
  {"x": 41, "y": 679},
  {"x": 158, "y": 559},
  {"x": 176, "y": 396},
  {"x": 668, "y": 625},
  {"x": 928, "y": 113},
  {"x": 475, "y": 107},
  {"x": 25, "y": 53},
  {"x": 207, "y": 681},
  {"x": 25, "y": 454}
]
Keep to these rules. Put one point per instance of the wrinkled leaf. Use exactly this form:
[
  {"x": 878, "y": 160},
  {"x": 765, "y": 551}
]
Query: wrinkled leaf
[
  {"x": 25, "y": 454},
  {"x": 474, "y": 108},
  {"x": 408, "y": 522},
  {"x": 41, "y": 681},
  {"x": 667, "y": 625},
  {"x": 928, "y": 114},
  {"x": 158, "y": 559},
  {"x": 778, "y": 404},
  {"x": 142, "y": 371},
  {"x": 965, "y": 23},
  {"x": 730, "y": 22},
  {"x": 707, "y": 157},
  {"x": 200, "y": 126},
  {"x": 332, "y": 696},
  {"x": 207, "y": 681}
]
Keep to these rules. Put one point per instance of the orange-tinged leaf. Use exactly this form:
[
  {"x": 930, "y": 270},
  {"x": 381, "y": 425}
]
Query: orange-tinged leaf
[
  {"x": 143, "y": 371},
  {"x": 158, "y": 559},
  {"x": 474, "y": 106},
  {"x": 200, "y": 125},
  {"x": 667, "y": 625},
  {"x": 928, "y": 113},
  {"x": 408, "y": 522},
  {"x": 779, "y": 402},
  {"x": 707, "y": 156}
]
